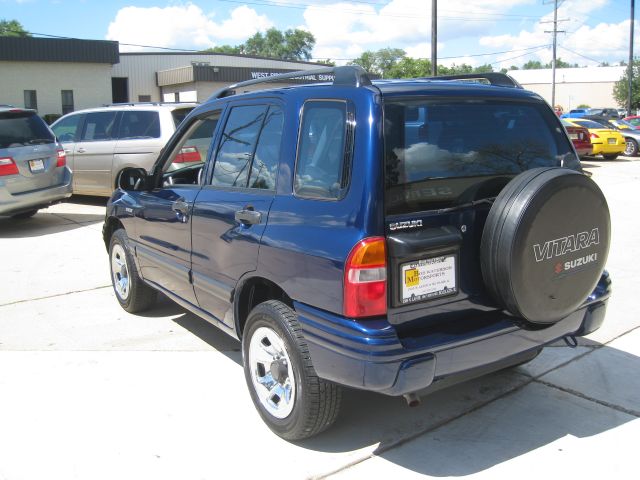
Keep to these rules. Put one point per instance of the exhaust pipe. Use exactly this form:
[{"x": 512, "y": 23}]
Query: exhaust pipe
[{"x": 412, "y": 399}]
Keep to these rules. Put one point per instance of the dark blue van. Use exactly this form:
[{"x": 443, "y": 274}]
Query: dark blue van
[{"x": 395, "y": 236}]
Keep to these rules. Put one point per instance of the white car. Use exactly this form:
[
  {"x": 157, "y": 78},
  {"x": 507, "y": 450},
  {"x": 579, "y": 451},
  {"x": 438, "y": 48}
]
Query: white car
[{"x": 100, "y": 142}]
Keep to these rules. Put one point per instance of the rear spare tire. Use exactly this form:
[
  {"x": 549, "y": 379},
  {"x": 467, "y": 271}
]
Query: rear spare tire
[{"x": 545, "y": 243}]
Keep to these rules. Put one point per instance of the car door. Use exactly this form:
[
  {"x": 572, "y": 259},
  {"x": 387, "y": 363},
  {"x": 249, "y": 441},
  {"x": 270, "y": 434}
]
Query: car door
[
  {"x": 231, "y": 211},
  {"x": 93, "y": 154},
  {"x": 163, "y": 218},
  {"x": 68, "y": 130}
]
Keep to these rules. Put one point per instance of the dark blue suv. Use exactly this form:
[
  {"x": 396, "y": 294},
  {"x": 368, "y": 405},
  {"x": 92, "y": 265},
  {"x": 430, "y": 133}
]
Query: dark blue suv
[{"x": 395, "y": 236}]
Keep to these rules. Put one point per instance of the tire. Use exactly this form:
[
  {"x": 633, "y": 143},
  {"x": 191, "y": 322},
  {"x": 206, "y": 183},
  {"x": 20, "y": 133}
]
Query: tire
[
  {"x": 631, "y": 149},
  {"x": 132, "y": 293},
  {"x": 610, "y": 157},
  {"x": 545, "y": 244},
  {"x": 272, "y": 344},
  {"x": 25, "y": 215}
]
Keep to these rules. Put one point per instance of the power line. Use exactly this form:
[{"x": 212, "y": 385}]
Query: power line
[
  {"x": 518, "y": 56},
  {"x": 580, "y": 55}
]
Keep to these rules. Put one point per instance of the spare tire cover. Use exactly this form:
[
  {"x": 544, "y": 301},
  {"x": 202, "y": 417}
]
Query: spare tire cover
[{"x": 545, "y": 243}]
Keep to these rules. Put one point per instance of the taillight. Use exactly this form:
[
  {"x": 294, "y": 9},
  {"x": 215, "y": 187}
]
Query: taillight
[
  {"x": 365, "y": 279},
  {"x": 593, "y": 135},
  {"x": 62, "y": 158},
  {"x": 187, "y": 155},
  {"x": 8, "y": 166}
]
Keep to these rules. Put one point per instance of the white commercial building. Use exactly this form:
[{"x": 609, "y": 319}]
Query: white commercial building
[{"x": 591, "y": 86}]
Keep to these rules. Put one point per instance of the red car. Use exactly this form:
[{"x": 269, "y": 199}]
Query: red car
[
  {"x": 634, "y": 120},
  {"x": 580, "y": 138}
]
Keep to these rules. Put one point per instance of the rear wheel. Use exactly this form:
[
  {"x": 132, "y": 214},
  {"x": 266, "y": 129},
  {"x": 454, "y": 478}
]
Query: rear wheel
[
  {"x": 631, "y": 149},
  {"x": 290, "y": 397},
  {"x": 610, "y": 156},
  {"x": 132, "y": 293},
  {"x": 23, "y": 215}
]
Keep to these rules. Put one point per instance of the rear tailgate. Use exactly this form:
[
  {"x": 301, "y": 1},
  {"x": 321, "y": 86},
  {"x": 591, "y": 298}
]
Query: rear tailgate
[{"x": 446, "y": 160}]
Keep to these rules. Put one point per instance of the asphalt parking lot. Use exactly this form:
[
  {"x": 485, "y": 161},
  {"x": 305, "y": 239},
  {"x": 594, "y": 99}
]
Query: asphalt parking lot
[{"x": 88, "y": 391}]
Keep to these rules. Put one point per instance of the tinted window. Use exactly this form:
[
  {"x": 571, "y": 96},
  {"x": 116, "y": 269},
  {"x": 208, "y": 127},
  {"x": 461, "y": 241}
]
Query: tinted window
[
  {"x": 99, "y": 126},
  {"x": 466, "y": 140},
  {"x": 23, "y": 128},
  {"x": 265, "y": 160},
  {"x": 179, "y": 115},
  {"x": 67, "y": 128},
  {"x": 589, "y": 124},
  {"x": 320, "y": 169},
  {"x": 194, "y": 147},
  {"x": 237, "y": 146},
  {"x": 143, "y": 124}
]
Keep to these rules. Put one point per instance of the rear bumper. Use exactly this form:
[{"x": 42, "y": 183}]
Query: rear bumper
[
  {"x": 369, "y": 354},
  {"x": 11, "y": 204},
  {"x": 599, "y": 148}
]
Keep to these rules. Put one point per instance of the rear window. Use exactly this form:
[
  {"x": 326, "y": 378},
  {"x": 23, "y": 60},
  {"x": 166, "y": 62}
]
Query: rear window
[
  {"x": 139, "y": 124},
  {"x": 23, "y": 128},
  {"x": 438, "y": 152},
  {"x": 590, "y": 124},
  {"x": 179, "y": 115}
]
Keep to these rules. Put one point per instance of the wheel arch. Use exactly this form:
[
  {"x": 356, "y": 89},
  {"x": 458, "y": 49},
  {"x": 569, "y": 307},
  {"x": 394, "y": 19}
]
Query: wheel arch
[
  {"x": 252, "y": 291},
  {"x": 110, "y": 225}
]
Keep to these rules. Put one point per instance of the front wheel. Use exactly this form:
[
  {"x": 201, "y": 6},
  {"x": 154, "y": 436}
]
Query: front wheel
[
  {"x": 290, "y": 397},
  {"x": 631, "y": 149},
  {"x": 132, "y": 293}
]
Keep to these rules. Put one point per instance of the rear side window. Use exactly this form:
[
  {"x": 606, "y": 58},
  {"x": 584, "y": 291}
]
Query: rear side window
[
  {"x": 179, "y": 115},
  {"x": 99, "y": 126},
  {"x": 142, "y": 124},
  {"x": 324, "y": 148},
  {"x": 237, "y": 146},
  {"x": 437, "y": 152},
  {"x": 23, "y": 128}
]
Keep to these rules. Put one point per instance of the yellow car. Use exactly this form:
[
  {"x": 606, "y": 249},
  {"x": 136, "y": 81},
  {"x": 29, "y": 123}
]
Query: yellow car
[{"x": 605, "y": 141}]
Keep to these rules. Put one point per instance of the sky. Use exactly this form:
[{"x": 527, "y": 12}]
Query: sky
[{"x": 499, "y": 32}]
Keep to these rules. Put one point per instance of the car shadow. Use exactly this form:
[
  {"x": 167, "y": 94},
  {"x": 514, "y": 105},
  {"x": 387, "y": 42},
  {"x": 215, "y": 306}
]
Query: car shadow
[
  {"x": 473, "y": 426},
  {"x": 199, "y": 327},
  {"x": 55, "y": 219}
]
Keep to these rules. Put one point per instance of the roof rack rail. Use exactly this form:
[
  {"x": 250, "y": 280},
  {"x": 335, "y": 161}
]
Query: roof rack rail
[
  {"x": 494, "y": 78},
  {"x": 135, "y": 104},
  {"x": 348, "y": 75}
]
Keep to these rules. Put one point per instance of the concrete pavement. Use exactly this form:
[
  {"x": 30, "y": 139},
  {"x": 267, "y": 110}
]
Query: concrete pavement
[{"x": 88, "y": 391}]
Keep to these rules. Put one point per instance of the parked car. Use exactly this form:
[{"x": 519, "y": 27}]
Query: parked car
[
  {"x": 626, "y": 129},
  {"x": 33, "y": 170},
  {"x": 575, "y": 113},
  {"x": 605, "y": 140},
  {"x": 605, "y": 112},
  {"x": 346, "y": 244},
  {"x": 634, "y": 120},
  {"x": 100, "y": 142},
  {"x": 580, "y": 138}
]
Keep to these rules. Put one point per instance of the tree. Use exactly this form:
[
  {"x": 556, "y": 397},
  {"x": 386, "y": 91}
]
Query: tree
[
  {"x": 289, "y": 45},
  {"x": 12, "y": 28},
  {"x": 533, "y": 65},
  {"x": 583, "y": 105},
  {"x": 381, "y": 62},
  {"x": 621, "y": 88}
]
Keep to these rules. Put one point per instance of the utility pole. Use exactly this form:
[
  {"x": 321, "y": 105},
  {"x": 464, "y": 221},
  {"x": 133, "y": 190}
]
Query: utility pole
[
  {"x": 555, "y": 42},
  {"x": 434, "y": 38},
  {"x": 630, "y": 67}
]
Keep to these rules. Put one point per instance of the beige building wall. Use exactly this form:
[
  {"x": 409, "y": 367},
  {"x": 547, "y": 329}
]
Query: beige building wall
[
  {"x": 570, "y": 95},
  {"x": 90, "y": 83}
]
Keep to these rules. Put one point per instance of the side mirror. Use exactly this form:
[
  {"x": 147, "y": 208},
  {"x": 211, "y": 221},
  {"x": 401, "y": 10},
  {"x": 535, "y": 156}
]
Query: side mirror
[{"x": 133, "y": 179}]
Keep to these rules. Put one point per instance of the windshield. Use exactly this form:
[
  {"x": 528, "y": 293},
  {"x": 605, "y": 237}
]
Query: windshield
[
  {"x": 23, "y": 128},
  {"x": 429, "y": 143}
]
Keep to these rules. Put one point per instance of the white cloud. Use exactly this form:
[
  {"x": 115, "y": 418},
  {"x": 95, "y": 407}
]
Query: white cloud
[
  {"x": 603, "y": 42},
  {"x": 354, "y": 27},
  {"x": 182, "y": 26}
]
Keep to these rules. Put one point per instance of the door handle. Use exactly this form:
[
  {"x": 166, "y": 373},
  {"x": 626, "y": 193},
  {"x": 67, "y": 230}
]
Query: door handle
[
  {"x": 80, "y": 150},
  {"x": 182, "y": 210},
  {"x": 248, "y": 216}
]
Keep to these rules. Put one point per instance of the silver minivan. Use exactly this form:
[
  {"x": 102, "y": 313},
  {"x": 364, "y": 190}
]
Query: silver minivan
[
  {"x": 33, "y": 170},
  {"x": 100, "y": 142}
]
